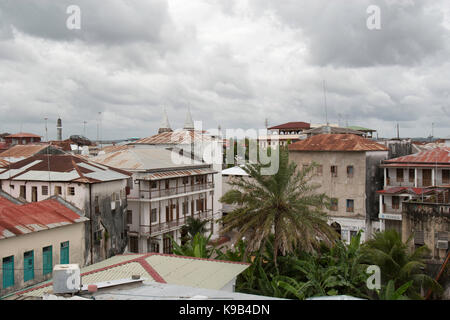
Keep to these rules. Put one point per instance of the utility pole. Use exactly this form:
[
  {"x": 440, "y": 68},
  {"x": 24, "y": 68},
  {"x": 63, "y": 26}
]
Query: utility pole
[{"x": 46, "y": 131}]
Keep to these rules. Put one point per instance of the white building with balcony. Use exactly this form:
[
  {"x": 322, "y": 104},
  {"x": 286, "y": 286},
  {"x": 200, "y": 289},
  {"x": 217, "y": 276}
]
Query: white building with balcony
[
  {"x": 411, "y": 177},
  {"x": 164, "y": 194}
]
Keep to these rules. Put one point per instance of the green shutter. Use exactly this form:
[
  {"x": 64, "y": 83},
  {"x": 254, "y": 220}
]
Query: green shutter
[
  {"x": 8, "y": 272},
  {"x": 64, "y": 254},
  {"x": 28, "y": 265},
  {"x": 47, "y": 260}
]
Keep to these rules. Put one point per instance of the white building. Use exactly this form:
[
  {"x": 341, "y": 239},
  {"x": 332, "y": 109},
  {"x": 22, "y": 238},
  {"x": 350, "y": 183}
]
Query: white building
[
  {"x": 98, "y": 191},
  {"x": 410, "y": 177},
  {"x": 163, "y": 195}
]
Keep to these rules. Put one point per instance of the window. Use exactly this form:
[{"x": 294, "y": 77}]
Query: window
[
  {"x": 399, "y": 175},
  {"x": 12, "y": 186},
  {"x": 129, "y": 217},
  {"x": 350, "y": 170},
  {"x": 34, "y": 194},
  {"x": 153, "y": 184},
  {"x": 411, "y": 175},
  {"x": 185, "y": 180},
  {"x": 71, "y": 191},
  {"x": 350, "y": 205},
  {"x": 44, "y": 190},
  {"x": 395, "y": 202},
  {"x": 23, "y": 192},
  {"x": 58, "y": 190},
  {"x": 153, "y": 217},
  {"x": 334, "y": 204},
  {"x": 334, "y": 171},
  {"x": 64, "y": 253},
  {"x": 134, "y": 244},
  {"x": 98, "y": 236},
  {"x": 167, "y": 184},
  {"x": 47, "y": 260},
  {"x": 319, "y": 170},
  {"x": 8, "y": 271},
  {"x": 28, "y": 265},
  {"x": 353, "y": 234},
  {"x": 445, "y": 176}
]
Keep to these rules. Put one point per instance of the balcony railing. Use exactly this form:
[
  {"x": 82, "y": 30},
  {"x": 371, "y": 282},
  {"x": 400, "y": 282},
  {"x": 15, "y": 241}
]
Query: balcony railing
[
  {"x": 159, "y": 193},
  {"x": 176, "y": 223}
]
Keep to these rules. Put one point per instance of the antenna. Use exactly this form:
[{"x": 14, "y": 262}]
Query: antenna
[
  {"x": 46, "y": 130},
  {"x": 325, "y": 101}
]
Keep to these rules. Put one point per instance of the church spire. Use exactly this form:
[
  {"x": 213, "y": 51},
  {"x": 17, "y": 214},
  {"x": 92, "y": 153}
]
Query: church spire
[
  {"x": 188, "y": 124},
  {"x": 165, "y": 126}
]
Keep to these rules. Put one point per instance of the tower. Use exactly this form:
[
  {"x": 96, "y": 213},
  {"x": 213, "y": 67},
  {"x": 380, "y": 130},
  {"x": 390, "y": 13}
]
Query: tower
[
  {"x": 165, "y": 126},
  {"x": 188, "y": 124},
  {"x": 59, "y": 129}
]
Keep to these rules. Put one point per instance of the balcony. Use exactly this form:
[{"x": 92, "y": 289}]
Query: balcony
[
  {"x": 156, "y": 193},
  {"x": 174, "y": 224}
]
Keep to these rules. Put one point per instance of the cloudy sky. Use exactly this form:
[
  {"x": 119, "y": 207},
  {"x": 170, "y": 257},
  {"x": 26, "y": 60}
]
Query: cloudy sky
[{"x": 234, "y": 62}]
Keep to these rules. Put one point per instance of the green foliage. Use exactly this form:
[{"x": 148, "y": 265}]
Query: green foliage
[
  {"x": 196, "y": 247},
  {"x": 192, "y": 227},
  {"x": 284, "y": 204},
  {"x": 389, "y": 293},
  {"x": 400, "y": 264}
]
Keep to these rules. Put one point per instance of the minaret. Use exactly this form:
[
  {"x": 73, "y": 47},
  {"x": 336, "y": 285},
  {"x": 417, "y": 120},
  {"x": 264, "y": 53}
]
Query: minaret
[
  {"x": 165, "y": 126},
  {"x": 59, "y": 130},
  {"x": 188, "y": 124}
]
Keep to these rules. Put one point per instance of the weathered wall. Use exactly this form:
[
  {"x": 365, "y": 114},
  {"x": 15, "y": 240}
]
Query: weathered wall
[{"x": 36, "y": 241}]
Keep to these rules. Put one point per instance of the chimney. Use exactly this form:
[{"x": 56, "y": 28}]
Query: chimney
[{"x": 59, "y": 130}]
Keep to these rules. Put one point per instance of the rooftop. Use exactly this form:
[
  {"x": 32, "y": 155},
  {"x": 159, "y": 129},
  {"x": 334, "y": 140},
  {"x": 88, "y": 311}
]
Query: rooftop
[
  {"x": 336, "y": 142},
  {"x": 156, "y": 268},
  {"x": 63, "y": 167},
  {"x": 298, "y": 125},
  {"x": 176, "y": 137},
  {"x": 409, "y": 190},
  {"x": 135, "y": 158},
  {"x": 23, "y": 151},
  {"x": 23, "y": 135},
  {"x": 436, "y": 156},
  {"x": 17, "y": 219},
  {"x": 331, "y": 129}
]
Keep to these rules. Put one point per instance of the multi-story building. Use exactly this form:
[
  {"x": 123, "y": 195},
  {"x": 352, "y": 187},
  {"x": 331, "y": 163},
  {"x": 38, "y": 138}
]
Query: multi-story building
[
  {"x": 36, "y": 236},
  {"x": 283, "y": 134},
  {"x": 348, "y": 173},
  {"x": 22, "y": 138},
  {"x": 409, "y": 177},
  {"x": 164, "y": 194},
  {"x": 98, "y": 191}
]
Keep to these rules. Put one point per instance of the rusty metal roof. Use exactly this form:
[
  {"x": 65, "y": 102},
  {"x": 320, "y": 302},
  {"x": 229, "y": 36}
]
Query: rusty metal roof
[
  {"x": 336, "y": 142},
  {"x": 409, "y": 190},
  {"x": 16, "y": 219},
  {"x": 3, "y": 163},
  {"x": 61, "y": 167},
  {"x": 143, "y": 158},
  {"x": 438, "y": 156},
  {"x": 176, "y": 137},
  {"x": 292, "y": 125},
  {"x": 22, "y": 151},
  {"x": 23, "y": 135},
  {"x": 177, "y": 174}
]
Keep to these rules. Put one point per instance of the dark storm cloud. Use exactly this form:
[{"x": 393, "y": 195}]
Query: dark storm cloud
[
  {"x": 337, "y": 33},
  {"x": 113, "y": 21}
]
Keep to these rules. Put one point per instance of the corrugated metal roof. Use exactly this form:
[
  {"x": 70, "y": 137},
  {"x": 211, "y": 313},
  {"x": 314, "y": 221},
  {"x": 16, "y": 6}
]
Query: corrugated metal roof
[
  {"x": 64, "y": 167},
  {"x": 330, "y": 129},
  {"x": 336, "y": 142},
  {"x": 16, "y": 219},
  {"x": 410, "y": 190},
  {"x": 20, "y": 152},
  {"x": 292, "y": 125},
  {"x": 23, "y": 135},
  {"x": 162, "y": 268},
  {"x": 177, "y": 174},
  {"x": 137, "y": 158},
  {"x": 234, "y": 171},
  {"x": 440, "y": 155},
  {"x": 176, "y": 137}
]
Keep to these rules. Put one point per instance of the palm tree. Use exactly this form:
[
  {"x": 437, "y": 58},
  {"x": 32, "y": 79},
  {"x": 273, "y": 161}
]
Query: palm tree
[
  {"x": 196, "y": 247},
  {"x": 192, "y": 227},
  {"x": 284, "y": 204},
  {"x": 400, "y": 264}
]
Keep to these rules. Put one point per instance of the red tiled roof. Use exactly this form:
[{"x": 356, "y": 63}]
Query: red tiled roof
[
  {"x": 36, "y": 216},
  {"x": 23, "y": 135},
  {"x": 440, "y": 155},
  {"x": 336, "y": 142},
  {"x": 292, "y": 125}
]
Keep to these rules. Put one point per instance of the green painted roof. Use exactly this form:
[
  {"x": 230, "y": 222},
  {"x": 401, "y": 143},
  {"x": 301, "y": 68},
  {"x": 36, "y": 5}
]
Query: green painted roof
[{"x": 358, "y": 128}]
